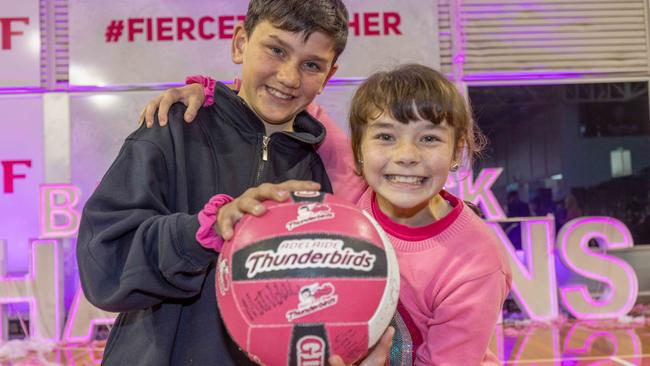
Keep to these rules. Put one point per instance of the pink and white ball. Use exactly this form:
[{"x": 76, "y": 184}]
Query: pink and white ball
[{"x": 314, "y": 276}]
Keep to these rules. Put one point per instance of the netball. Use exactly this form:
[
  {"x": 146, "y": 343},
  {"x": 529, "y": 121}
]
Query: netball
[{"x": 312, "y": 277}]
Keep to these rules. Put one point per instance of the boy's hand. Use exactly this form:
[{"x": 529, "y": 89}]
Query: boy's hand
[
  {"x": 191, "y": 95},
  {"x": 250, "y": 202},
  {"x": 377, "y": 356}
]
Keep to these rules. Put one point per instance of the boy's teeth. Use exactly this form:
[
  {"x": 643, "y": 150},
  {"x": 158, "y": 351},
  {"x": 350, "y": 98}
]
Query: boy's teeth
[
  {"x": 278, "y": 94},
  {"x": 405, "y": 179}
]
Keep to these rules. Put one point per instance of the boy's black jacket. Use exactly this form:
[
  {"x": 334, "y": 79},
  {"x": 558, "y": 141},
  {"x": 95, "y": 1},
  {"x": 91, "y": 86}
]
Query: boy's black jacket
[{"x": 136, "y": 249}]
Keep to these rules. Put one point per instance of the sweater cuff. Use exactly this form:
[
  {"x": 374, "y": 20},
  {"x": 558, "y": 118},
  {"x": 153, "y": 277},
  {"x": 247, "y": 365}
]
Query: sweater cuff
[
  {"x": 206, "y": 235},
  {"x": 208, "y": 84}
]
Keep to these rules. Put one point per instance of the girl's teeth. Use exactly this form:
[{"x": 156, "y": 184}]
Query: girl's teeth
[{"x": 405, "y": 179}]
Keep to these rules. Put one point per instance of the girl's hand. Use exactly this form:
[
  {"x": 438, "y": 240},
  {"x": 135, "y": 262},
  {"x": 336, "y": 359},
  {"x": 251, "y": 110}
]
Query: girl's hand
[
  {"x": 250, "y": 202},
  {"x": 191, "y": 95},
  {"x": 377, "y": 356}
]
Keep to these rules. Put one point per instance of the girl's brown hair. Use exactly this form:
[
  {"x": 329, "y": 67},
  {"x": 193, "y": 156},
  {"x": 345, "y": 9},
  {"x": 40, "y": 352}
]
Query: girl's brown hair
[{"x": 411, "y": 92}]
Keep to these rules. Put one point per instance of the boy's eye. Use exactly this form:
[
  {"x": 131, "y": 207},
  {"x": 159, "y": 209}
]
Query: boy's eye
[
  {"x": 277, "y": 51},
  {"x": 312, "y": 66}
]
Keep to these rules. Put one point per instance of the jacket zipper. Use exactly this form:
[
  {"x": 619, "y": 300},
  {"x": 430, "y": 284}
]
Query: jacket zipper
[
  {"x": 265, "y": 148},
  {"x": 265, "y": 158}
]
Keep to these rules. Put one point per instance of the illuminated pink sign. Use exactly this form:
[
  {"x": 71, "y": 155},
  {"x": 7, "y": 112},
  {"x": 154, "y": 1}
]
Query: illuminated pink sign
[
  {"x": 41, "y": 288},
  {"x": 83, "y": 318},
  {"x": 570, "y": 347},
  {"x": 534, "y": 279},
  {"x": 59, "y": 201},
  {"x": 478, "y": 191},
  {"x": 619, "y": 277}
]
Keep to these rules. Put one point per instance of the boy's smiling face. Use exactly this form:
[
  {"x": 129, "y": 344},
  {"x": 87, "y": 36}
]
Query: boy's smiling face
[{"x": 282, "y": 73}]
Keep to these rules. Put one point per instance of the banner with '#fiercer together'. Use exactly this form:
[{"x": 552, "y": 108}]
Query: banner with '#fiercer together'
[{"x": 152, "y": 41}]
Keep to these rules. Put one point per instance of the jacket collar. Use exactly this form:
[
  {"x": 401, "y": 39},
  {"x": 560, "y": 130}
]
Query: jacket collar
[{"x": 306, "y": 129}]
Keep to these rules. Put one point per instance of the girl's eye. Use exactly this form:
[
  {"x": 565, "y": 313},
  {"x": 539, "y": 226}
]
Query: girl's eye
[
  {"x": 384, "y": 137},
  {"x": 430, "y": 138},
  {"x": 277, "y": 51}
]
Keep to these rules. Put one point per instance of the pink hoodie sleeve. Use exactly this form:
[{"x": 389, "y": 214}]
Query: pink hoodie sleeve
[
  {"x": 464, "y": 322},
  {"x": 208, "y": 84},
  {"x": 337, "y": 156}
]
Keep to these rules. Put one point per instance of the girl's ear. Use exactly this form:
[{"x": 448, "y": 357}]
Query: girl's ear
[
  {"x": 458, "y": 153},
  {"x": 358, "y": 164}
]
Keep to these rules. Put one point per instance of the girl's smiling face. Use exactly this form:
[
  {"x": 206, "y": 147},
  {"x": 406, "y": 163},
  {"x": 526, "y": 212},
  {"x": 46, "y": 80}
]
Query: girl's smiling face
[{"x": 406, "y": 164}]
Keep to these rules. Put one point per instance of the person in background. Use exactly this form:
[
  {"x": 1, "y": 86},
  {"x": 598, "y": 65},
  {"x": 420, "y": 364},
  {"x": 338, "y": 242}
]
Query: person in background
[
  {"x": 542, "y": 204},
  {"x": 515, "y": 208}
]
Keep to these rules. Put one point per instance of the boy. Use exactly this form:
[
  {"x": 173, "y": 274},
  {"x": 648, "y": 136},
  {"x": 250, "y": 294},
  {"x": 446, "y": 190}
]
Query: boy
[{"x": 138, "y": 250}]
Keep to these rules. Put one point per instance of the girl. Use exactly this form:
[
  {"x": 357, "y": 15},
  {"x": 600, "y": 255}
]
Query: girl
[{"x": 409, "y": 128}]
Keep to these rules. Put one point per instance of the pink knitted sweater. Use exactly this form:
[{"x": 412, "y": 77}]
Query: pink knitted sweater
[
  {"x": 454, "y": 280},
  {"x": 454, "y": 274}
]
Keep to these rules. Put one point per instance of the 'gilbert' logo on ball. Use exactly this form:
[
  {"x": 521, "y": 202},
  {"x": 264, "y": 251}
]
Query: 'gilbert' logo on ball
[{"x": 311, "y": 351}]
